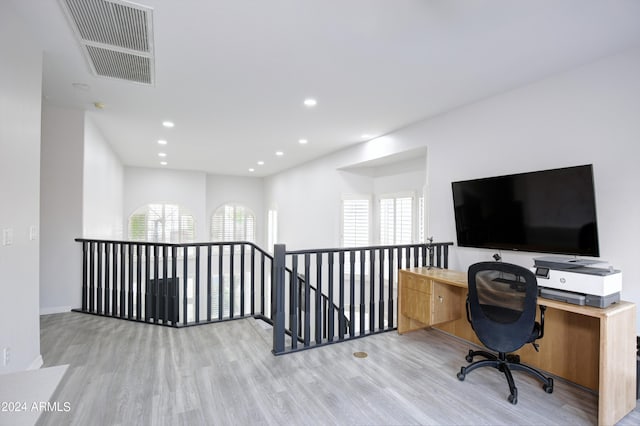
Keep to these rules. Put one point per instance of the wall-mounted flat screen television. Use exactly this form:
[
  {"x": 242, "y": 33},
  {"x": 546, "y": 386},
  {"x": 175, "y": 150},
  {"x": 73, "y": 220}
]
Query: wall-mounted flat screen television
[{"x": 548, "y": 211}]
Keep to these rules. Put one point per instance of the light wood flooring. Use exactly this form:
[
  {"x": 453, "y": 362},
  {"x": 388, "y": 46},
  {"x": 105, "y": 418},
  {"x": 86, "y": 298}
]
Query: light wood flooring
[{"x": 125, "y": 373}]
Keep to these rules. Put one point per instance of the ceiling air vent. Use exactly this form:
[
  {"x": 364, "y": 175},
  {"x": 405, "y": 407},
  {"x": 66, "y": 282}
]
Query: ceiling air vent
[{"x": 116, "y": 37}]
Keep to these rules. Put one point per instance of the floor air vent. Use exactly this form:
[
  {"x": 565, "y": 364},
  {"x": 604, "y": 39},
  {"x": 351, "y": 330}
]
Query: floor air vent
[{"x": 116, "y": 37}]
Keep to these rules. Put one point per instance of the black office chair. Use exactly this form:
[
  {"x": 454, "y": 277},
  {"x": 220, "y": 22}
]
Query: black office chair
[{"x": 501, "y": 307}]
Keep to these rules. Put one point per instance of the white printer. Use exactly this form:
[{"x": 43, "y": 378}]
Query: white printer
[{"x": 578, "y": 281}]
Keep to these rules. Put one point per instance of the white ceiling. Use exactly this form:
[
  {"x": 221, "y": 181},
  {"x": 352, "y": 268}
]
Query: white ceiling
[{"x": 232, "y": 74}]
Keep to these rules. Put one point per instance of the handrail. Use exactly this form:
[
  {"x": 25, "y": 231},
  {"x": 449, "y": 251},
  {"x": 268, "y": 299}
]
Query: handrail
[
  {"x": 359, "y": 248},
  {"x": 162, "y": 244}
]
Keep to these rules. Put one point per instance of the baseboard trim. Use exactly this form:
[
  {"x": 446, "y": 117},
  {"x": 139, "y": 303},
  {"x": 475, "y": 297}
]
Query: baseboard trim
[
  {"x": 36, "y": 363},
  {"x": 55, "y": 310}
]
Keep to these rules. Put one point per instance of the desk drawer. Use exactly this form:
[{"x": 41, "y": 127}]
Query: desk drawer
[
  {"x": 418, "y": 283},
  {"x": 416, "y": 305}
]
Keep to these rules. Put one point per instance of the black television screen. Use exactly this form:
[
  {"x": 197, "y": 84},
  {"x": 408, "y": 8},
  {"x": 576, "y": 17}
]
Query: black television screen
[{"x": 548, "y": 211}]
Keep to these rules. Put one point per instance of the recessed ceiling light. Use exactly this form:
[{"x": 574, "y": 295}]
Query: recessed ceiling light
[
  {"x": 163, "y": 163},
  {"x": 252, "y": 170},
  {"x": 279, "y": 153},
  {"x": 260, "y": 163},
  {"x": 303, "y": 141},
  {"x": 162, "y": 154},
  {"x": 168, "y": 124},
  {"x": 310, "y": 102},
  {"x": 162, "y": 142}
]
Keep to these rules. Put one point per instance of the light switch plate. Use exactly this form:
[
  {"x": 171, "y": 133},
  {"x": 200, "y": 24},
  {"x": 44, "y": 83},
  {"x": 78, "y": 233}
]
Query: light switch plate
[{"x": 7, "y": 236}]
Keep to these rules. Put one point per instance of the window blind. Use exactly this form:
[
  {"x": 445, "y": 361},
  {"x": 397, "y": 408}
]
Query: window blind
[
  {"x": 396, "y": 220},
  {"x": 233, "y": 222},
  {"x": 355, "y": 223}
]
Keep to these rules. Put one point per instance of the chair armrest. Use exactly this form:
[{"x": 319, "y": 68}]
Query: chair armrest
[
  {"x": 468, "y": 313},
  {"x": 543, "y": 308}
]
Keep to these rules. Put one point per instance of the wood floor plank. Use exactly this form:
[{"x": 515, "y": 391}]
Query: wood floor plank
[{"x": 126, "y": 373}]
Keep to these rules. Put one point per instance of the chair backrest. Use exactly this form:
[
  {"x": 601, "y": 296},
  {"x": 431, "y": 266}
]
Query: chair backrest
[{"x": 502, "y": 304}]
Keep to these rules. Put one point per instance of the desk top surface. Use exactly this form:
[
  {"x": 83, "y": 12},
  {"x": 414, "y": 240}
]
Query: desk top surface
[{"x": 459, "y": 279}]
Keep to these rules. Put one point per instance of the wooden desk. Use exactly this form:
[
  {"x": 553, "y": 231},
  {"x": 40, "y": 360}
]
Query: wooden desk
[{"x": 592, "y": 347}]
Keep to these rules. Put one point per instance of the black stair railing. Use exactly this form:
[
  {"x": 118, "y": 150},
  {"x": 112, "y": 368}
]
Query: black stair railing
[
  {"x": 175, "y": 284},
  {"x": 311, "y": 297},
  {"x": 346, "y": 293}
]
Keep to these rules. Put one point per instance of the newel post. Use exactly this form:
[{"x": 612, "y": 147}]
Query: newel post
[{"x": 277, "y": 297}]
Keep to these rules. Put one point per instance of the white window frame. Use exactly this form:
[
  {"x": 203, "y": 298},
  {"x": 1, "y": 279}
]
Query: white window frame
[
  {"x": 414, "y": 215},
  {"x": 229, "y": 231},
  {"x": 348, "y": 199},
  {"x": 160, "y": 217}
]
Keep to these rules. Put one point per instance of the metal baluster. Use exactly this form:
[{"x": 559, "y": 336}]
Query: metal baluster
[
  {"x": 99, "y": 280},
  {"x": 197, "y": 289},
  {"x": 262, "y": 283},
  {"x": 307, "y": 301},
  {"x": 147, "y": 281},
  {"x": 220, "y": 281},
  {"x": 91, "y": 278},
  {"x": 319, "y": 295},
  {"x": 209, "y": 250},
  {"x": 331, "y": 331},
  {"x": 123, "y": 281},
  {"x": 341, "y": 322},
  {"x": 362, "y": 278},
  {"x": 390, "y": 289},
  {"x": 381, "y": 293},
  {"x": 139, "y": 287},
  {"x": 85, "y": 261},
  {"x": 372, "y": 290},
  {"x": 156, "y": 287},
  {"x": 352, "y": 292},
  {"x": 114, "y": 277},
  {"x": 185, "y": 280},
  {"x": 242, "y": 280},
  {"x": 107, "y": 269},
  {"x": 165, "y": 285},
  {"x": 294, "y": 307},
  {"x": 130, "y": 286},
  {"x": 232, "y": 308},
  {"x": 253, "y": 280}
]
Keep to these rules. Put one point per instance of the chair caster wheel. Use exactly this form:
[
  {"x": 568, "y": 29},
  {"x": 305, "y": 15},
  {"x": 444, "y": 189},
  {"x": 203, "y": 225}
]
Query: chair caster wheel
[
  {"x": 461, "y": 376},
  {"x": 548, "y": 387},
  {"x": 513, "y": 399},
  {"x": 469, "y": 356}
]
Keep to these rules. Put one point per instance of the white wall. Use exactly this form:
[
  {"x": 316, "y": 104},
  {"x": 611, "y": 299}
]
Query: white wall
[
  {"x": 586, "y": 115},
  {"x": 197, "y": 191},
  {"x": 61, "y": 209},
  {"x": 143, "y": 186},
  {"x": 309, "y": 199},
  {"x": 237, "y": 190},
  {"x": 103, "y": 179},
  {"x": 20, "y": 110}
]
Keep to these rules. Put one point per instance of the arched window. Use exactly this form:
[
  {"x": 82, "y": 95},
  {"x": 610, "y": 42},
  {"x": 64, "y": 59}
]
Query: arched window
[
  {"x": 162, "y": 223},
  {"x": 233, "y": 222}
]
